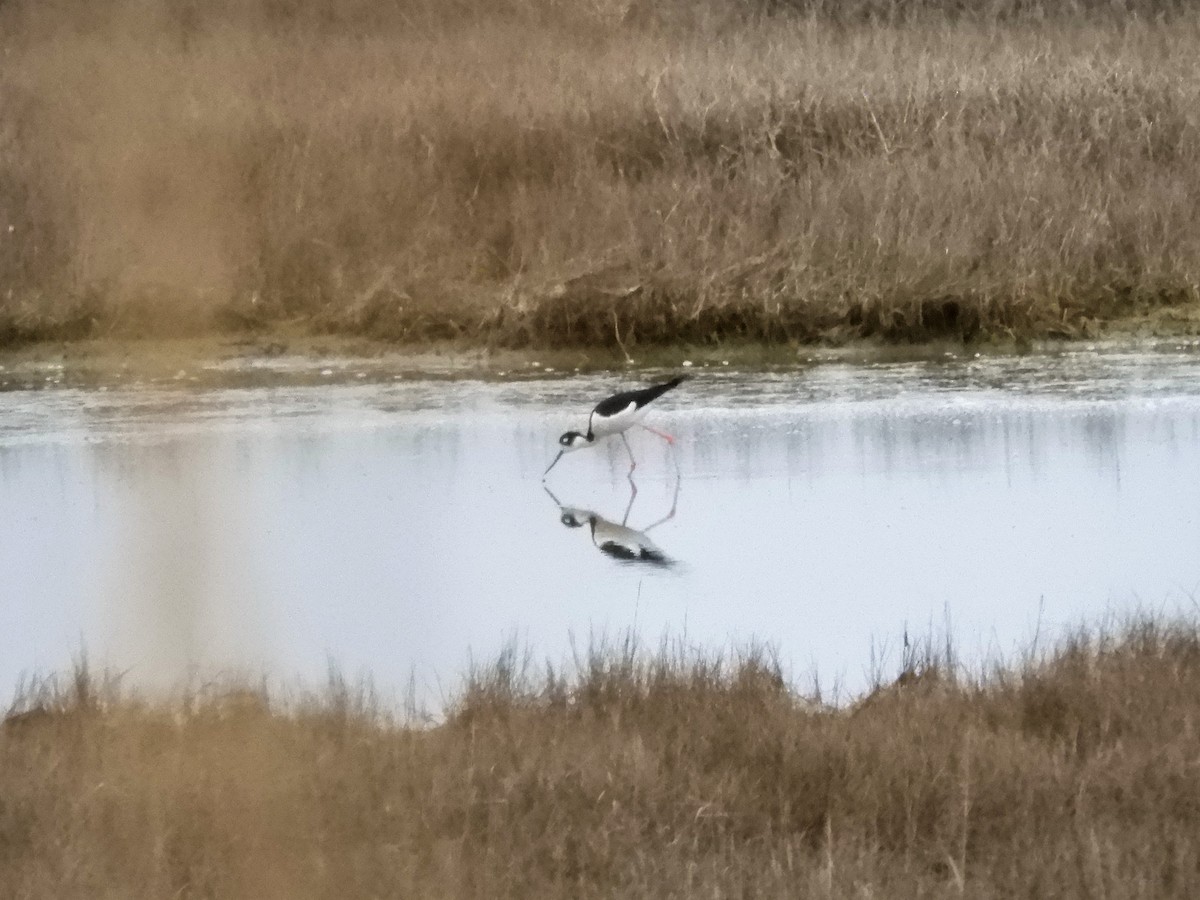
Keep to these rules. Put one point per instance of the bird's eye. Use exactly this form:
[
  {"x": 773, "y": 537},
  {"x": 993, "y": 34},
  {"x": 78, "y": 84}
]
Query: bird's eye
[{"x": 565, "y": 440}]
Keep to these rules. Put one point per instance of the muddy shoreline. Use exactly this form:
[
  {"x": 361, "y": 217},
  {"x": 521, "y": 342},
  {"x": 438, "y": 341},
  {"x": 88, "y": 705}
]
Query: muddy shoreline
[{"x": 333, "y": 356}]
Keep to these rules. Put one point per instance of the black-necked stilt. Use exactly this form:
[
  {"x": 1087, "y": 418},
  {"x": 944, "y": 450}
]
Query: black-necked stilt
[
  {"x": 619, "y": 540},
  {"x": 616, "y": 415}
]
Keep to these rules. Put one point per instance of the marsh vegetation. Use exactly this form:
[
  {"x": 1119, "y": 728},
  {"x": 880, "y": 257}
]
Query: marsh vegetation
[
  {"x": 630, "y": 774},
  {"x": 540, "y": 173}
]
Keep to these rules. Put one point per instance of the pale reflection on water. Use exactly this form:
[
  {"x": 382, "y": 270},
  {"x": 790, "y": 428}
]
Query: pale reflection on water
[
  {"x": 621, "y": 540},
  {"x": 397, "y": 527}
]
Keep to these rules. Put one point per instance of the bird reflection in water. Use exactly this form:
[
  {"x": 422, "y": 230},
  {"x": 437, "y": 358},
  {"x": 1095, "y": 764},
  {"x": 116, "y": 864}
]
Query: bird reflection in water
[{"x": 620, "y": 541}]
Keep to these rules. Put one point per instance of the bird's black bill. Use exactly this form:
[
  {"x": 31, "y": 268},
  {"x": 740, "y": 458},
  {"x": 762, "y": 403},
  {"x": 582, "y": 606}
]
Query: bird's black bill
[{"x": 553, "y": 464}]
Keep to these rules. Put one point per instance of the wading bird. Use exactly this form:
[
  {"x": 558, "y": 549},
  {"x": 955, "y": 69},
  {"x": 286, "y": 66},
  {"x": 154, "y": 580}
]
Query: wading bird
[{"x": 616, "y": 415}]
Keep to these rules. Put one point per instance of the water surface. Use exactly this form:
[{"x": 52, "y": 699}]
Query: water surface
[{"x": 398, "y": 526}]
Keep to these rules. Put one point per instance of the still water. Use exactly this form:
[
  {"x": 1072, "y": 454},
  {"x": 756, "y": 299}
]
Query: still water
[{"x": 279, "y": 518}]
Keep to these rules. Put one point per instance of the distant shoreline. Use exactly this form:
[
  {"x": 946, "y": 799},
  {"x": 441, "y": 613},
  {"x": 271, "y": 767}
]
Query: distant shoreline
[
  {"x": 157, "y": 358},
  {"x": 154, "y": 331}
]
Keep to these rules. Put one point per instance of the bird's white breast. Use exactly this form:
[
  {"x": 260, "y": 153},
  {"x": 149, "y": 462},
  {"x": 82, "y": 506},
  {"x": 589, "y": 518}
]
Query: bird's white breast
[
  {"x": 604, "y": 531},
  {"x": 602, "y": 426}
]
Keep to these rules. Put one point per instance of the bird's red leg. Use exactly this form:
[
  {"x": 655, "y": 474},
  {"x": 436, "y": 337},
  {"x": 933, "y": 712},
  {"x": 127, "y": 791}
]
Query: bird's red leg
[
  {"x": 662, "y": 434},
  {"x": 629, "y": 450},
  {"x": 632, "y": 497}
]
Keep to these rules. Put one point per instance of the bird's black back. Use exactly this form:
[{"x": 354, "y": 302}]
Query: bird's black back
[{"x": 639, "y": 398}]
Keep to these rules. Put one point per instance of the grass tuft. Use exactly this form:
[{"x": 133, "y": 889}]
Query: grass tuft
[{"x": 634, "y": 772}]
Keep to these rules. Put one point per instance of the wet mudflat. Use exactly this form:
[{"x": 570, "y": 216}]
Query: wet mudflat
[{"x": 280, "y": 519}]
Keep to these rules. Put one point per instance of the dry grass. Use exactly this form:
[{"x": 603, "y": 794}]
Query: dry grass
[
  {"x": 667, "y": 775},
  {"x": 541, "y": 173}
]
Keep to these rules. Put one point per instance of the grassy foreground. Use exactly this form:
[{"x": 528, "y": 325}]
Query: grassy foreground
[
  {"x": 668, "y": 775},
  {"x": 541, "y": 173}
]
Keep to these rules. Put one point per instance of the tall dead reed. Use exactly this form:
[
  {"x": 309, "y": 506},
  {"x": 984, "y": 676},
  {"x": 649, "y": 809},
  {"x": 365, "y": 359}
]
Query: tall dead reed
[{"x": 552, "y": 173}]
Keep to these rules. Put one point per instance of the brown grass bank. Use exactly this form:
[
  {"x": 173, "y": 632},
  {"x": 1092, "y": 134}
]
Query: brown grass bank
[
  {"x": 659, "y": 776},
  {"x": 598, "y": 172}
]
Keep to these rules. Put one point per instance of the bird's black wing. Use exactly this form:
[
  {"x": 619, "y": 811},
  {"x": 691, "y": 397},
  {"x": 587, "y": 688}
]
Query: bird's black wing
[
  {"x": 638, "y": 398},
  {"x": 635, "y": 554},
  {"x": 618, "y": 551}
]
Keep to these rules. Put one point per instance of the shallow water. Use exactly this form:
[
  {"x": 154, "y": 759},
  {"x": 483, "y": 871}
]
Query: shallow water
[{"x": 398, "y": 526}]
